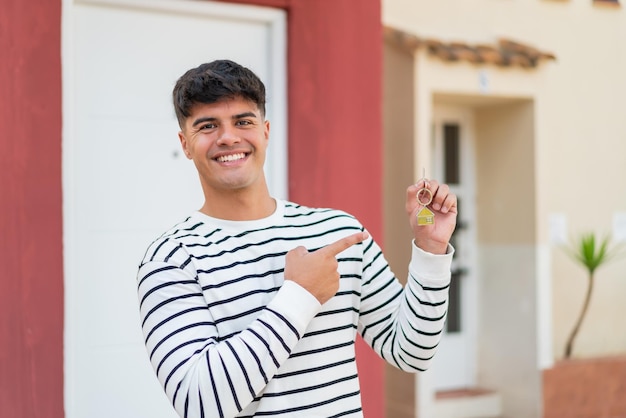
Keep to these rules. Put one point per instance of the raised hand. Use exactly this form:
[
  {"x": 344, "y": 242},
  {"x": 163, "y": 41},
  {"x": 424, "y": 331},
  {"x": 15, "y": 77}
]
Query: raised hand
[
  {"x": 433, "y": 238},
  {"x": 317, "y": 271}
]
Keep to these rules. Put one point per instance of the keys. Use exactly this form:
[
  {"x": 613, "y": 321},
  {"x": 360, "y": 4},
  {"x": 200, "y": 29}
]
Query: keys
[{"x": 424, "y": 197}]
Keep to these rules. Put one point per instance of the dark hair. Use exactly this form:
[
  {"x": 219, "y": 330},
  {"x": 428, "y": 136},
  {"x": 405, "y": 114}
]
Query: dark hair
[{"x": 215, "y": 81}]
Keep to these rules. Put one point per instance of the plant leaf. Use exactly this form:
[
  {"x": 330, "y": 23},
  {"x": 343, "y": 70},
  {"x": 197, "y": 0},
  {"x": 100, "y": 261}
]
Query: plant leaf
[{"x": 592, "y": 253}]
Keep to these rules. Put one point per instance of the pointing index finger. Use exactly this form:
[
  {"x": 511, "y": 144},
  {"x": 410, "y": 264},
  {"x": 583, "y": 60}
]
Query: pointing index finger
[{"x": 344, "y": 243}]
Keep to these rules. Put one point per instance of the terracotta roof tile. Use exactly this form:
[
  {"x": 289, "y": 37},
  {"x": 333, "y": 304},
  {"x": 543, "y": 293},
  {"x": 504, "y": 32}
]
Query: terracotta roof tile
[{"x": 503, "y": 53}]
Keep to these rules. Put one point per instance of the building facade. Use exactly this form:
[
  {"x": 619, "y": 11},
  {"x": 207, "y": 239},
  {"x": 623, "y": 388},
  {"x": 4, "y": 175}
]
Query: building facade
[{"x": 515, "y": 104}]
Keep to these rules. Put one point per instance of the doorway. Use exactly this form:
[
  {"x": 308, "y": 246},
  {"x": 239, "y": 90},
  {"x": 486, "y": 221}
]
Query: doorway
[{"x": 125, "y": 178}]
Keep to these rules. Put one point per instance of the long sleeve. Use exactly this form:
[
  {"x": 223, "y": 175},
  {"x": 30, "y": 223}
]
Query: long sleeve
[
  {"x": 228, "y": 336},
  {"x": 205, "y": 375},
  {"x": 404, "y": 325}
]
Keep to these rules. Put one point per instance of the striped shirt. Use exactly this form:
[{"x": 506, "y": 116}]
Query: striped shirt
[{"x": 228, "y": 336}]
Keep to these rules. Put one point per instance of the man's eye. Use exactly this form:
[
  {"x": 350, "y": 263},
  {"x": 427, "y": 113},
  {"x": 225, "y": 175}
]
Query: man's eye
[
  {"x": 208, "y": 126},
  {"x": 243, "y": 122}
]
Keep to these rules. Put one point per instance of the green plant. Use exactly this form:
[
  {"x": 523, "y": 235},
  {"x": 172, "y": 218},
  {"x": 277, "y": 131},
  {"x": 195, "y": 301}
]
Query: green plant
[{"x": 591, "y": 254}]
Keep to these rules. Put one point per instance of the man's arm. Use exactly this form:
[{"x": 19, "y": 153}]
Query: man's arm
[
  {"x": 202, "y": 373},
  {"x": 219, "y": 375},
  {"x": 404, "y": 325}
]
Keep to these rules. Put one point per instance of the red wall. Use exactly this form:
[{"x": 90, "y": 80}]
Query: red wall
[
  {"x": 335, "y": 127},
  {"x": 335, "y": 143},
  {"x": 31, "y": 265},
  {"x": 335, "y": 124}
]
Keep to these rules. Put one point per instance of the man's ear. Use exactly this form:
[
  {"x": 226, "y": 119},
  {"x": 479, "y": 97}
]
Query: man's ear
[{"x": 183, "y": 144}]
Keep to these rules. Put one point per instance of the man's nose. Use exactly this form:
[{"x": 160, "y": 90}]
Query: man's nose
[{"x": 228, "y": 136}]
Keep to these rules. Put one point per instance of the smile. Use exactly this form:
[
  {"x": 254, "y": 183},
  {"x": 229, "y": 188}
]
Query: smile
[{"x": 231, "y": 157}]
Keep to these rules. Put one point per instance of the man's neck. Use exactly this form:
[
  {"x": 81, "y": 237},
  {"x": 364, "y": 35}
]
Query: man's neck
[{"x": 234, "y": 206}]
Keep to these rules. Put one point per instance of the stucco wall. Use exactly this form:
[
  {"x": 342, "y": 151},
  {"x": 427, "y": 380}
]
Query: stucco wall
[
  {"x": 505, "y": 173},
  {"x": 507, "y": 334}
]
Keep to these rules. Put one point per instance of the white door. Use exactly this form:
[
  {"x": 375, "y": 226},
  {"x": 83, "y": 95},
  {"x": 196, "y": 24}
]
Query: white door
[
  {"x": 126, "y": 180},
  {"x": 454, "y": 366}
]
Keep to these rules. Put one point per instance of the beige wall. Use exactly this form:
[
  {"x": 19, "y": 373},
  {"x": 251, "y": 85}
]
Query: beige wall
[
  {"x": 505, "y": 171},
  {"x": 507, "y": 360},
  {"x": 398, "y": 129},
  {"x": 580, "y": 132}
]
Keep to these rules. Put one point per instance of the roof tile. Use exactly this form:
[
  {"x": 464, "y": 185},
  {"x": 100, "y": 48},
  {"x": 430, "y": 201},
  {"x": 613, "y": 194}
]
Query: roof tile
[{"x": 505, "y": 52}]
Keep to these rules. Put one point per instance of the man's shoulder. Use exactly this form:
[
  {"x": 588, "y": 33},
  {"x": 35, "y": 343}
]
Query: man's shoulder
[
  {"x": 188, "y": 231},
  {"x": 295, "y": 210}
]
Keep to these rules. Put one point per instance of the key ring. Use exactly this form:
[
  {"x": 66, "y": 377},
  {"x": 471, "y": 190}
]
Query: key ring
[
  {"x": 424, "y": 198},
  {"x": 420, "y": 193}
]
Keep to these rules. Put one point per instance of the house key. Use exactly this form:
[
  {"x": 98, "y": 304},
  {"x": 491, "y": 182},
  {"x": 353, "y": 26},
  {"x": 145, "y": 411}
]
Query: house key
[{"x": 424, "y": 197}]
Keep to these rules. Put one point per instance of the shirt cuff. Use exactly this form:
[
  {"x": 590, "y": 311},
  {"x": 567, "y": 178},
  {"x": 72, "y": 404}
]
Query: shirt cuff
[
  {"x": 296, "y": 304},
  {"x": 431, "y": 267}
]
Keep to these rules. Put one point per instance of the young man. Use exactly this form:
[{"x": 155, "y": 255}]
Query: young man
[{"x": 251, "y": 306}]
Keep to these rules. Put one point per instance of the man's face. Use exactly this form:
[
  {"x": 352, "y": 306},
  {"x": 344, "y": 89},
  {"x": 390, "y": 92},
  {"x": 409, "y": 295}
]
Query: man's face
[{"x": 227, "y": 142}]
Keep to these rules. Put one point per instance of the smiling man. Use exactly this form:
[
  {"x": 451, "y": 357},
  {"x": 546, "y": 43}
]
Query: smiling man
[{"x": 251, "y": 306}]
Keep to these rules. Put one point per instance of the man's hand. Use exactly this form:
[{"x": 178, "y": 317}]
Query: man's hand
[
  {"x": 317, "y": 271},
  {"x": 433, "y": 238}
]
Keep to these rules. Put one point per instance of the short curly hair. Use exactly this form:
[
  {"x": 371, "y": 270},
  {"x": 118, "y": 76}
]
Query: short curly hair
[{"x": 215, "y": 81}]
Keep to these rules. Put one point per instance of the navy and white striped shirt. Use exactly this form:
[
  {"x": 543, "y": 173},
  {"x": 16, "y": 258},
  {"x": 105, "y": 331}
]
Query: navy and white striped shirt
[{"x": 228, "y": 336}]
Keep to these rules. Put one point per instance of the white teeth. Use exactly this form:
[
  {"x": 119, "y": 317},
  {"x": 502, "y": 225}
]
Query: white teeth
[{"x": 232, "y": 157}]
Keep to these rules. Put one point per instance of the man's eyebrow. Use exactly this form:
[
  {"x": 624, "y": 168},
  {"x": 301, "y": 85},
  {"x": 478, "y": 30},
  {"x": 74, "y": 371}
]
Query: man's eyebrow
[
  {"x": 245, "y": 115},
  {"x": 202, "y": 120},
  {"x": 213, "y": 119}
]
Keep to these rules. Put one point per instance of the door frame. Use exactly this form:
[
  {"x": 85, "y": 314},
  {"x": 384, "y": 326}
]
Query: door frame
[
  {"x": 466, "y": 346},
  {"x": 275, "y": 82},
  {"x": 276, "y": 86}
]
